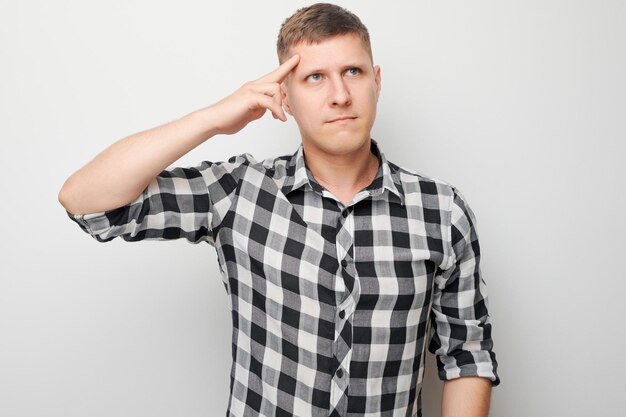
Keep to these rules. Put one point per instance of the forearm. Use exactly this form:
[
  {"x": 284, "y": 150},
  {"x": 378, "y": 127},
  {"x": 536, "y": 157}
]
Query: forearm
[
  {"x": 117, "y": 175},
  {"x": 466, "y": 397}
]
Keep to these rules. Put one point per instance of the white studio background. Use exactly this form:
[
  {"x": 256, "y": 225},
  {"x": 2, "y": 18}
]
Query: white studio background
[{"x": 520, "y": 104}]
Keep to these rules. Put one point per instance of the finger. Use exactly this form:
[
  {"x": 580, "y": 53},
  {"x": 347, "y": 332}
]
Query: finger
[
  {"x": 270, "y": 104},
  {"x": 280, "y": 73},
  {"x": 269, "y": 89}
]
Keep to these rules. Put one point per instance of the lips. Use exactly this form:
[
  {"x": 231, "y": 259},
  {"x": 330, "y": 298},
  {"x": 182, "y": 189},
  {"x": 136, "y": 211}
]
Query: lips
[{"x": 341, "y": 118}]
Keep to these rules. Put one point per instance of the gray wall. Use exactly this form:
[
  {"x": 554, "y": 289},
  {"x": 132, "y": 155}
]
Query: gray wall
[{"x": 519, "y": 104}]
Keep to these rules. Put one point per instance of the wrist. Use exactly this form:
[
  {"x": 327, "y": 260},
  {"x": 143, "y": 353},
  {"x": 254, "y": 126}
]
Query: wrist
[{"x": 205, "y": 121}]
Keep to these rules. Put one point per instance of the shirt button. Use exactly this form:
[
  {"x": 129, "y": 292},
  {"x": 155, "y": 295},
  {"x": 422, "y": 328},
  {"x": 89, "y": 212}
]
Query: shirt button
[
  {"x": 342, "y": 314},
  {"x": 340, "y": 373},
  {"x": 344, "y": 263},
  {"x": 345, "y": 213}
]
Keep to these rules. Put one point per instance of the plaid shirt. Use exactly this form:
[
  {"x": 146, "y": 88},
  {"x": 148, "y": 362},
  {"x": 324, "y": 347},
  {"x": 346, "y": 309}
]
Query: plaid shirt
[{"x": 332, "y": 306}]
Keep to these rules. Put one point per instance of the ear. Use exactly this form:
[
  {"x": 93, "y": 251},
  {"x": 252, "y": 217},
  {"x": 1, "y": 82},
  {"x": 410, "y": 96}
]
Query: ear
[
  {"x": 285, "y": 100},
  {"x": 377, "y": 80}
]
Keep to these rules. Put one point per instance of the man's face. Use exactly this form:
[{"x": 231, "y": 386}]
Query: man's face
[{"x": 332, "y": 94}]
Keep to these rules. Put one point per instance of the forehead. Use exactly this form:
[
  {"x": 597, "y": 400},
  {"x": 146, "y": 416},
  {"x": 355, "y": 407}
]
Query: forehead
[{"x": 333, "y": 52}]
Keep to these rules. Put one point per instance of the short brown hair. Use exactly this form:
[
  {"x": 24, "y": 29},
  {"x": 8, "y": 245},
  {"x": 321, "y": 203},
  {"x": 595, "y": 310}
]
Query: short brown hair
[{"x": 318, "y": 22}]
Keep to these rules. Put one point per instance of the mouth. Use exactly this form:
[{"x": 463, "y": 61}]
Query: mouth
[{"x": 341, "y": 119}]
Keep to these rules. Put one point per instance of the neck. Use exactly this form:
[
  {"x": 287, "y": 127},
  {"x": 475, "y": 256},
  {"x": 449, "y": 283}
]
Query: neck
[{"x": 342, "y": 174}]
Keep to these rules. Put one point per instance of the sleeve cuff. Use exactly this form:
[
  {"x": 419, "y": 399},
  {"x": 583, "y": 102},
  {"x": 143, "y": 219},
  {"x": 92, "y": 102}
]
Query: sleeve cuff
[
  {"x": 482, "y": 364},
  {"x": 90, "y": 223}
]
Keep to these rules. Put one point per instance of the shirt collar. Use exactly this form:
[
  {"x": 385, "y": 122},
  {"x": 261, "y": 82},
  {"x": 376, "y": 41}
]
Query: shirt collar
[{"x": 387, "y": 178}]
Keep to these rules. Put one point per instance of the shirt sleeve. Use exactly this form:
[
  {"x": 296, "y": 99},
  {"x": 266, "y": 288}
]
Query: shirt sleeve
[
  {"x": 461, "y": 324},
  {"x": 180, "y": 203}
]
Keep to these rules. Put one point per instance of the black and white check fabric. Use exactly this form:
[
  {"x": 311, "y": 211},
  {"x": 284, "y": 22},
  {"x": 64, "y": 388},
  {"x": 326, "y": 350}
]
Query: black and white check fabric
[{"x": 332, "y": 306}]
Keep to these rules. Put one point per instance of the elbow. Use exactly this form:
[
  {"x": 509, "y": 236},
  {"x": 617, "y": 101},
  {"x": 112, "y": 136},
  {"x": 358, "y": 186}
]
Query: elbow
[{"x": 65, "y": 198}]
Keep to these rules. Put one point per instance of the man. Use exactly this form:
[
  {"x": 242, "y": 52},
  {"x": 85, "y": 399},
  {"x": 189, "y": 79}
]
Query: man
[{"x": 336, "y": 262}]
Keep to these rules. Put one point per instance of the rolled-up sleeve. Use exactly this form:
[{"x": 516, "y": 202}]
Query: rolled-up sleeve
[
  {"x": 461, "y": 325},
  {"x": 180, "y": 203}
]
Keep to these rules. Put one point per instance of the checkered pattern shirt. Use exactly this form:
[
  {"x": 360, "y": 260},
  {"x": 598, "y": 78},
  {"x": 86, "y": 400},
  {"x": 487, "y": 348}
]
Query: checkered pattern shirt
[{"x": 332, "y": 306}]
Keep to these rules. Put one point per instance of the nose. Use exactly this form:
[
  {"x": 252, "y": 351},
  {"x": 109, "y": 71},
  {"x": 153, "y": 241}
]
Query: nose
[{"x": 339, "y": 93}]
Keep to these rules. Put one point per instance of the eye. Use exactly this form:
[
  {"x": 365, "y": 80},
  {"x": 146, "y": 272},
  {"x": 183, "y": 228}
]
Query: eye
[
  {"x": 353, "y": 71},
  {"x": 314, "y": 77}
]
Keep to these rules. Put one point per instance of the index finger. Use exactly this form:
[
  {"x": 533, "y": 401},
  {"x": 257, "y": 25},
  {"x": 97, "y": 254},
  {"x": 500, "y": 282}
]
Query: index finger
[{"x": 280, "y": 73}]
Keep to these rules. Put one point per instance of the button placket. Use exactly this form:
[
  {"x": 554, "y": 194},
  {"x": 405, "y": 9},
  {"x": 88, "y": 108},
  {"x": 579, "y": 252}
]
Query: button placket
[{"x": 348, "y": 290}]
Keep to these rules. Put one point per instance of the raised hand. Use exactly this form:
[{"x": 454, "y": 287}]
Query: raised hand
[{"x": 251, "y": 100}]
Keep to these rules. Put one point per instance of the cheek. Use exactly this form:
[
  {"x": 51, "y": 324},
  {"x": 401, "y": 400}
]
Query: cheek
[
  {"x": 301, "y": 100},
  {"x": 304, "y": 106}
]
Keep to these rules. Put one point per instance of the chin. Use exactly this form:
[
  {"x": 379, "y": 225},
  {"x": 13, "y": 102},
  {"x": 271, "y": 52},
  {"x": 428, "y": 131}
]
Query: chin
[{"x": 340, "y": 144}]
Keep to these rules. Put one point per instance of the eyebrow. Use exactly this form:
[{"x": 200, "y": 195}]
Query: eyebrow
[{"x": 343, "y": 68}]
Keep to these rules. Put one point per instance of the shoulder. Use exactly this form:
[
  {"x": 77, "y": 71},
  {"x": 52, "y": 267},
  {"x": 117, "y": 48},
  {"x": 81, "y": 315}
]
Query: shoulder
[
  {"x": 249, "y": 169},
  {"x": 247, "y": 162},
  {"x": 431, "y": 193},
  {"x": 417, "y": 182}
]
